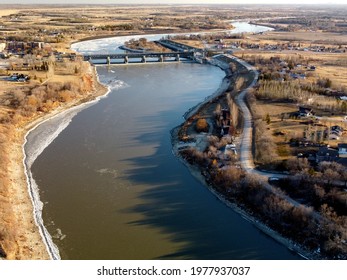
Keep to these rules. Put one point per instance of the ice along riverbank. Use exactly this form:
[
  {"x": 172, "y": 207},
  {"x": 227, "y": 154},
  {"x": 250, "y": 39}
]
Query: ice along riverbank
[{"x": 114, "y": 173}]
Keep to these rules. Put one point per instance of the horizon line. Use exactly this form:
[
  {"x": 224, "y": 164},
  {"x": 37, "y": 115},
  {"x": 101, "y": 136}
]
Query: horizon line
[{"x": 175, "y": 4}]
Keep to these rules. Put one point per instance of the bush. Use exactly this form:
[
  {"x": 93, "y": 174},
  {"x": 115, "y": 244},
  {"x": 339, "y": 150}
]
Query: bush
[{"x": 201, "y": 125}]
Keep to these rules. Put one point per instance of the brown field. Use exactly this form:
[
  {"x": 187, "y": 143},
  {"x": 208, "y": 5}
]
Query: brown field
[
  {"x": 329, "y": 65},
  {"x": 193, "y": 43},
  {"x": 302, "y": 36},
  {"x": 283, "y": 130},
  {"x": 6, "y": 12}
]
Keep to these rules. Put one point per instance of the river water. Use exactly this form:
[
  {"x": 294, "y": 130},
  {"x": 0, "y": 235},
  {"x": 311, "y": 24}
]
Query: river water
[{"x": 112, "y": 188}]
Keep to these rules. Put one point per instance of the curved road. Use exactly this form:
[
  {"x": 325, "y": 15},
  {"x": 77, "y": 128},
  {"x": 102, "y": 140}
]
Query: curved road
[{"x": 246, "y": 156}]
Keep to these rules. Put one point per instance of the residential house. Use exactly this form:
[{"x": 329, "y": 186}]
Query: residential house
[
  {"x": 342, "y": 150},
  {"x": 2, "y": 47},
  {"x": 334, "y": 136},
  {"x": 305, "y": 112},
  {"x": 337, "y": 128},
  {"x": 20, "y": 47},
  {"x": 327, "y": 154},
  {"x": 333, "y": 155}
]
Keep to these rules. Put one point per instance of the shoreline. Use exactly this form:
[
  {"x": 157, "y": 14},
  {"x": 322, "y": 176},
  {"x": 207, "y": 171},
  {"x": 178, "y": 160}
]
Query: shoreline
[
  {"x": 169, "y": 32},
  {"x": 291, "y": 246},
  {"x": 38, "y": 240},
  {"x": 197, "y": 173},
  {"x": 32, "y": 240},
  {"x": 223, "y": 87},
  {"x": 28, "y": 198}
]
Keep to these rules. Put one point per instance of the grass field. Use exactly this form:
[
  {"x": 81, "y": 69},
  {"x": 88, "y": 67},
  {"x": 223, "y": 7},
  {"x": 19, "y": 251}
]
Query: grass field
[
  {"x": 285, "y": 129},
  {"x": 6, "y": 12},
  {"x": 302, "y": 36},
  {"x": 328, "y": 65}
]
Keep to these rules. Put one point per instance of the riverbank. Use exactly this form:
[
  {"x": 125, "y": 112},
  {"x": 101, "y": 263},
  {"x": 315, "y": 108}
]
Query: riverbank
[
  {"x": 225, "y": 84},
  {"x": 25, "y": 239},
  {"x": 198, "y": 171},
  {"x": 163, "y": 32},
  {"x": 19, "y": 235}
]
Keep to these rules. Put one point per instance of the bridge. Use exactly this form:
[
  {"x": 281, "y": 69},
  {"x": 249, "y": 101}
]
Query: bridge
[
  {"x": 175, "y": 46},
  {"x": 138, "y": 57},
  {"x": 199, "y": 54}
]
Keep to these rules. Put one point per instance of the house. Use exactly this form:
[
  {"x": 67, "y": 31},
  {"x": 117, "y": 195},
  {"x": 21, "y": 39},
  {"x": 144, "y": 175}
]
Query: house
[
  {"x": 228, "y": 151},
  {"x": 2, "y": 47},
  {"x": 305, "y": 112},
  {"x": 337, "y": 128},
  {"x": 335, "y": 132},
  {"x": 327, "y": 154},
  {"x": 333, "y": 136},
  {"x": 20, "y": 47},
  {"x": 230, "y": 148},
  {"x": 342, "y": 150},
  {"x": 298, "y": 76}
]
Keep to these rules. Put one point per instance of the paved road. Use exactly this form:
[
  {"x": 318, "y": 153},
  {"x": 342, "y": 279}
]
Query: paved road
[{"x": 246, "y": 155}]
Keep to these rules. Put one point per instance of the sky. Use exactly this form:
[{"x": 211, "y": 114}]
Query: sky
[{"x": 172, "y": 2}]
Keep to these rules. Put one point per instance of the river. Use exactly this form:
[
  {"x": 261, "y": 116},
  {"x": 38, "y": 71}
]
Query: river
[{"x": 111, "y": 187}]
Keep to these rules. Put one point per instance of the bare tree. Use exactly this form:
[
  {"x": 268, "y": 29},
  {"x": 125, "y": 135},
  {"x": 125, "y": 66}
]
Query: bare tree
[{"x": 298, "y": 165}]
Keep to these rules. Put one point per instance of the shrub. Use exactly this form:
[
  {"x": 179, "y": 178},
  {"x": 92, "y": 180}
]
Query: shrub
[{"x": 201, "y": 125}]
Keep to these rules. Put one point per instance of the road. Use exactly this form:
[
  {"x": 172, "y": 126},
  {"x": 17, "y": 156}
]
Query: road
[{"x": 246, "y": 155}]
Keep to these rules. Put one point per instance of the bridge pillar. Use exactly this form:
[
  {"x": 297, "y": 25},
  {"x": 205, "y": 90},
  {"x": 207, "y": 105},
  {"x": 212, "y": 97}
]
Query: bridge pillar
[
  {"x": 108, "y": 60},
  {"x": 143, "y": 59},
  {"x": 161, "y": 58},
  {"x": 126, "y": 59},
  {"x": 177, "y": 57}
]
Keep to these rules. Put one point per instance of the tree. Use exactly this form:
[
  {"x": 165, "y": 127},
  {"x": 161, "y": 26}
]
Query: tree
[
  {"x": 201, "y": 125},
  {"x": 239, "y": 83},
  {"x": 268, "y": 119},
  {"x": 330, "y": 171},
  {"x": 298, "y": 165},
  {"x": 218, "y": 111},
  {"x": 76, "y": 70},
  {"x": 344, "y": 106},
  {"x": 324, "y": 83},
  {"x": 343, "y": 174}
]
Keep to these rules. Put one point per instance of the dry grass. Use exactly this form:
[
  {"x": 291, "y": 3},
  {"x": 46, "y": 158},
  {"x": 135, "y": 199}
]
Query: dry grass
[
  {"x": 275, "y": 109},
  {"x": 328, "y": 65},
  {"x": 337, "y": 74},
  {"x": 284, "y": 130},
  {"x": 301, "y": 36},
  {"x": 193, "y": 43},
  {"x": 19, "y": 237},
  {"x": 6, "y": 12}
]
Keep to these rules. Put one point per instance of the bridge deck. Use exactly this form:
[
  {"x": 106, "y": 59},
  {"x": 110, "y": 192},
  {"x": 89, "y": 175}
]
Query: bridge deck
[{"x": 137, "y": 55}]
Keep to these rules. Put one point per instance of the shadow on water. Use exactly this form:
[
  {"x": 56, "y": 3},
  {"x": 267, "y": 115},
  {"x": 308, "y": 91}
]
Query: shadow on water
[
  {"x": 191, "y": 215},
  {"x": 114, "y": 190}
]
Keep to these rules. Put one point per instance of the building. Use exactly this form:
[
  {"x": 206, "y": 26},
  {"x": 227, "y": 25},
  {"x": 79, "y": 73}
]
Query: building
[
  {"x": 2, "y": 47},
  {"x": 342, "y": 150},
  {"x": 333, "y": 155},
  {"x": 327, "y": 154},
  {"x": 23, "y": 47},
  {"x": 305, "y": 112}
]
